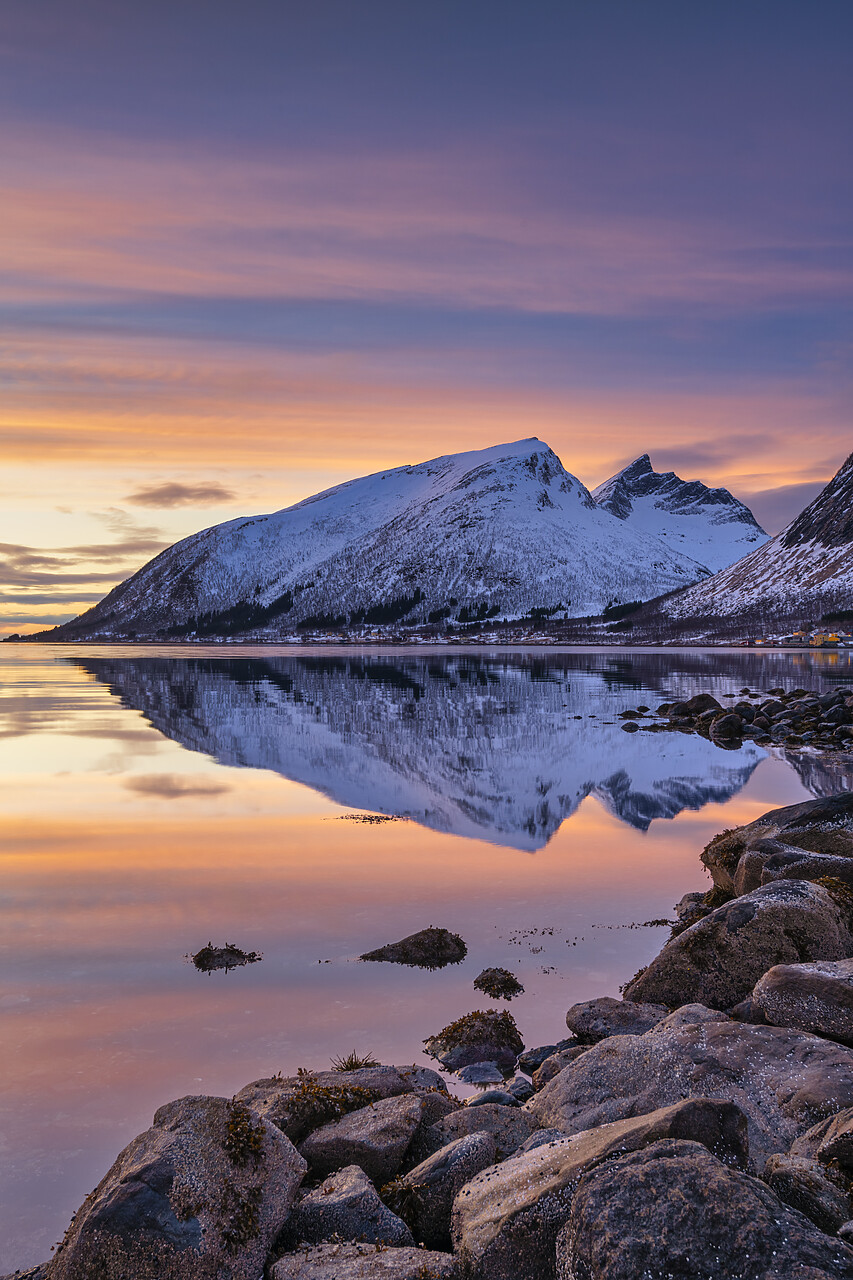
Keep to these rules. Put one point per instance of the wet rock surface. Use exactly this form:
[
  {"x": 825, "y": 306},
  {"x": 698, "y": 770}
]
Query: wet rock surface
[
  {"x": 718, "y": 960},
  {"x": 428, "y": 949},
  {"x": 674, "y": 1210}
]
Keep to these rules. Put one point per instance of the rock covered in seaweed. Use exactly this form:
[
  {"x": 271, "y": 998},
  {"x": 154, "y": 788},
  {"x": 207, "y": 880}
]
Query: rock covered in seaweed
[
  {"x": 500, "y": 984},
  {"x": 481, "y": 1036},
  {"x": 428, "y": 949}
]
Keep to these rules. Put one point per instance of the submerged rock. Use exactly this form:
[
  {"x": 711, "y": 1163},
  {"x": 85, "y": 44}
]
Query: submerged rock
[
  {"x": 477, "y": 1037},
  {"x": 428, "y": 949},
  {"x": 201, "y": 1194},
  {"x": 718, "y": 960},
  {"x": 675, "y": 1210},
  {"x": 784, "y": 1081},
  {"x": 228, "y": 957},
  {"x": 500, "y": 984},
  {"x": 505, "y": 1221}
]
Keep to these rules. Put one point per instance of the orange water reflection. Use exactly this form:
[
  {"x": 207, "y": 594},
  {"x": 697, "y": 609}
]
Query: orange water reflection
[{"x": 106, "y": 887}]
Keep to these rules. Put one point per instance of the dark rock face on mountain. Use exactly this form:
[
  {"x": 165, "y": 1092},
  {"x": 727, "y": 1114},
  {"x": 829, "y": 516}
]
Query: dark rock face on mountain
[
  {"x": 710, "y": 525},
  {"x": 799, "y": 577}
]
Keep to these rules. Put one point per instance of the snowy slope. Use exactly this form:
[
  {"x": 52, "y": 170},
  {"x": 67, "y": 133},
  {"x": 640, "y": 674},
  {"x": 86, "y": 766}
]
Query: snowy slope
[
  {"x": 803, "y": 572},
  {"x": 480, "y": 748},
  {"x": 709, "y": 525},
  {"x": 505, "y": 528}
]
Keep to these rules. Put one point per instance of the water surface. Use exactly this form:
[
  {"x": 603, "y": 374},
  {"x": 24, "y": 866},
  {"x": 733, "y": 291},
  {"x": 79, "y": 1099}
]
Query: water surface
[{"x": 156, "y": 799}]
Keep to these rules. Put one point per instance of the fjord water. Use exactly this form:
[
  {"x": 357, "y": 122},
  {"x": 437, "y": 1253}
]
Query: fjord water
[{"x": 155, "y": 799}]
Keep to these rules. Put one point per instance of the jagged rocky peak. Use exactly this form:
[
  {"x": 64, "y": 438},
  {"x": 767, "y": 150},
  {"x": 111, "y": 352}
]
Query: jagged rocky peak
[
  {"x": 500, "y": 532},
  {"x": 709, "y": 524},
  {"x": 828, "y": 520}
]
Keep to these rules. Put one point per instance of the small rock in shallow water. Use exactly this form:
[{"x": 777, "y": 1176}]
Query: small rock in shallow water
[
  {"x": 500, "y": 984},
  {"x": 494, "y": 1097},
  {"x": 481, "y": 1073},
  {"x": 227, "y": 957},
  {"x": 482, "y": 1036},
  {"x": 429, "y": 949}
]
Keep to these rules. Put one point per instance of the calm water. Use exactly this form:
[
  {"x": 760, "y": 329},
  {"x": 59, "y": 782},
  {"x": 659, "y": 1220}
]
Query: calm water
[{"x": 157, "y": 799}]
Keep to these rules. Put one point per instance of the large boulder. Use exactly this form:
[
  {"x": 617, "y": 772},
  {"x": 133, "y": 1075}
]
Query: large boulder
[
  {"x": 297, "y": 1104},
  {"x": 424, "y": 1196},
  {"x": 823, "y": 827},
  {"x": 817, "y": 996},
  {"x": 365, "y": 1262},
  {"x": 804, "y": 1184},
  {"x": 509, "y": 1126},
  {"x": 784, "y": 1081},
  {"x": 674, "y": 1210},
  {"x": 481, "y": 1036},
  {"x": 595, "y": 1020},
  {"x": 376, "y": 1138},
  {"x": 200, "y": 1195},
  {"x": 348, "y": 1207},
  {"x": 505, "y": 1221},
  {"x": 718, "y": 960}
]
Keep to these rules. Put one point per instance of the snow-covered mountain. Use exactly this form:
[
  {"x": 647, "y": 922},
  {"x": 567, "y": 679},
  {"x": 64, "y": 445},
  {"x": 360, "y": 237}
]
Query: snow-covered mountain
[
  {"x": 709, "y": 525},
  {"x": 804, "y": 572},
  {"x": 483, "y": 748},
  {"x": 497, "y": 532}
]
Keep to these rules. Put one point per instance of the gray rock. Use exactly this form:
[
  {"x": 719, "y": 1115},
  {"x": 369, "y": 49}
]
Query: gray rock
[
  {"x": 505, "y": 1221},
  {"x": 533, "y": 1058},
  {"x": 365, "y": 1262},
  {"x": 688, "y": 1015},
  {"x": 481, "y": 1036},
  {"x": 673, "y": 1210},
  {"x": 784, "y": 1081},
  {"x": 718, "y": 960},
  {"x": 202, "y": 1193},
  {"x": 298, "y": 1104},
  {"x": 496, "y": 1098},
  {"x": 347, "y": 1206},
  {"x": 818, "y": 826},
  {"x": 727, "y": 726},
  {"x": 845, "y": 1232},
  {"x": 521, "y": 1088},
  {"x": 424, "y": 1196},
  {"x": 812, "y": 997},
  {"x": 836, "y": 1140},
  {"x": 421, "y": 1079},
  {"x": 31, "y": 1273},
  {"x": 802, "y": 1184},
  {"x": 481, "y": 1073},
  {"x": 435, "y": 1106},
  {"x": 375, "y": 1138},
  {"x": 509, "y": 1126},
  {"x": 594, "y": 1020},
  {"x": 539, "y": 1138},
  {"x": 554, "y": 1065},
  {"x": 428, "y": 949}
]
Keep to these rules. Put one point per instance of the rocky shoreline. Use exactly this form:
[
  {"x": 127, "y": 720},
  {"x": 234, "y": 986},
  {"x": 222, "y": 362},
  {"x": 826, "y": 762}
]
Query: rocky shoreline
[{"x": 702, "y": 1126}]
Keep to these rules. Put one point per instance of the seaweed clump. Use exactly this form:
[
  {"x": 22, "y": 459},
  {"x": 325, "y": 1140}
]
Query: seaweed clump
[
  {"x": 312, "y": 1104},
  {"x": 228, "y": 957},
  {"x": 244, "y": 1140},
  {"x": 500, "y": 984},
  {"x": 354, "y": 1062}
]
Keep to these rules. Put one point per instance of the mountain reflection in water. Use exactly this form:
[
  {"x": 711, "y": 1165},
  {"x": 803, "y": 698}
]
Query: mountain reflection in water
[{"x": 485, "y": 747}]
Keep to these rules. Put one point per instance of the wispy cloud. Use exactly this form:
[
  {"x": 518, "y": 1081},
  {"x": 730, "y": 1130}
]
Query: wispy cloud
[
  {"x": 175, "y": 494},
  {"x": 174, "y": 786}
]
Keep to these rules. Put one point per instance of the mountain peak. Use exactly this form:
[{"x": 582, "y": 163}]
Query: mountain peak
[{"x": 708, "y": 524}]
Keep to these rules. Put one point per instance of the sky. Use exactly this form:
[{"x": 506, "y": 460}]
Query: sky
[{"x": 248, "y": 251}]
